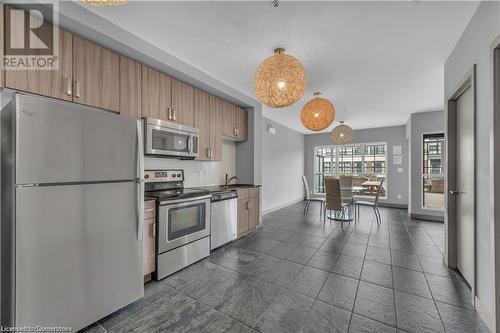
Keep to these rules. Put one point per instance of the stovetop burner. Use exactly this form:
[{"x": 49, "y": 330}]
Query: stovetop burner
[{"x": 169, "y": 185}]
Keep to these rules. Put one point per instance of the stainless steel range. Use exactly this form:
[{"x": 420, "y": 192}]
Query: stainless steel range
[{"x": 183, "y": 226}]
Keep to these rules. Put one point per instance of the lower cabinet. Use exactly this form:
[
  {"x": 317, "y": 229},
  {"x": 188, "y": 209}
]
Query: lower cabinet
[
  {"x": 149, "y": 238},
  {"x": 248, "y": 209}
]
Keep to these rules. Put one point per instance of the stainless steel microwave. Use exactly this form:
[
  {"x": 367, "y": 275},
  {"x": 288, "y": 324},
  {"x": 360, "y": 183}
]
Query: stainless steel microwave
[{"x": 170, "y": 139}]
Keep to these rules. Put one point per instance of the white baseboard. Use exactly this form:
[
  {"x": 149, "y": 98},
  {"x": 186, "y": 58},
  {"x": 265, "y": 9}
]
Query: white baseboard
[
  {"x": 270, "y": 210},
  {"x": 484, "y": 313}
]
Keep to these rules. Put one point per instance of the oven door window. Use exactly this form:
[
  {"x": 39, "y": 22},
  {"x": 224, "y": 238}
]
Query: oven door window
[
  {"x": 185, "y": 220},
  {"x": 164, "y": 140}
]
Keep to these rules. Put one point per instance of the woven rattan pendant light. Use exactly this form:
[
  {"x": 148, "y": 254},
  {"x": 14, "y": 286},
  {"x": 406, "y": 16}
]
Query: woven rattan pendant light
[
  {"x": 105, "y": 3},
  {"x": 318, "y": 113},
  {"x": 342, "y": 134},
  {"x": 280, "y": 80}
]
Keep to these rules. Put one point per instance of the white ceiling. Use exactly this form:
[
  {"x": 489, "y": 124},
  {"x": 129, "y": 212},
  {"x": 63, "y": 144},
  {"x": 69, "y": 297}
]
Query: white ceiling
[{"x": 378, "y": 62}]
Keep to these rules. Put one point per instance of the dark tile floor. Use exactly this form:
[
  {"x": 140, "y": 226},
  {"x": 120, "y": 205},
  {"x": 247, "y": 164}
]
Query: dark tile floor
[{"x": 294, "y": 275}]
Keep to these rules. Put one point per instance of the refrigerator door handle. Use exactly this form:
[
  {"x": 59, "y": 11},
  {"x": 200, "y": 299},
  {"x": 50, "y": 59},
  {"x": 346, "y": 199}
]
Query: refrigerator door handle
[
  {"x": 140, "y": 150},
  {"x": 140, "y": 181},
  {"x": 140, "y": 210}
]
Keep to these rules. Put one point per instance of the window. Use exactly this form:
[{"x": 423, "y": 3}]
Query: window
[
  {"x": 433, "y": 171},
  {"x": 325, "y": 165},
  {"x": 375, "y": 159},
  {"x": 363, "y": 161}
]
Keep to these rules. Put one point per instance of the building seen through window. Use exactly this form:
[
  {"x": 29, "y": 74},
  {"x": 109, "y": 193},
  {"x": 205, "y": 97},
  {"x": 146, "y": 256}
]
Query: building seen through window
[
  {"x": 365, "y": 162},
  {"x": 433, "y": 171}
]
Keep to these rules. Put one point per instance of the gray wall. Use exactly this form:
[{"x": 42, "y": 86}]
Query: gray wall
[
  {"x": 397, "y": 182},
  {"x": 418, "y": 125},
  {"x": 472, "y": 48},
  {"x": 283, "y": 166}
]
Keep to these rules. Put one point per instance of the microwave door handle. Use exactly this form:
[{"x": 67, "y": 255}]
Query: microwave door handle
[{"x": 190, "y": 144}]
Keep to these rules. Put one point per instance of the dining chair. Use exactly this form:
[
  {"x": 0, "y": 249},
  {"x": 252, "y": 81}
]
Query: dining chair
[
  {"x": 373, "y": 204},
  {"x": 310, "y": 199},
  {"x": 347, "y": 192},
  {"x": 334, "y": 198}
]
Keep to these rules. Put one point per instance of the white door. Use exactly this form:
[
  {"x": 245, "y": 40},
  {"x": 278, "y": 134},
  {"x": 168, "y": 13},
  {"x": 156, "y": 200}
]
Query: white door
[{"x": 465, "y": 185}]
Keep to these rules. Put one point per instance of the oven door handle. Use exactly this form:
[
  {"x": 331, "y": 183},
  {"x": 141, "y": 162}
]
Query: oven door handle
[{"x": 200, "y": 199}]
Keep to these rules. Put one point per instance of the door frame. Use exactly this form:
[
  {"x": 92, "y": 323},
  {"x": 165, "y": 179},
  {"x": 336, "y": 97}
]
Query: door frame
[
  {"x": 494, "y": 175},
  {"x": 468, "y": 82}
]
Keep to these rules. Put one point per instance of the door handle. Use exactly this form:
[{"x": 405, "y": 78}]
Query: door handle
[
  {"x": 140, "y": 150},
  {"x": 140, "y": 210},
  {"x": 77, "y": 89},
  {"x": 454, "y": 191},
  {"x": 69, "y": 91},
  {"x": 173, "y": 114},
  {"x": 169, "y": 114},
  {"x": 209, "y": 152}
]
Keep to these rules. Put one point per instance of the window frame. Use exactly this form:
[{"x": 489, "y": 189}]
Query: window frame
[{"x": 335, "y": 159}]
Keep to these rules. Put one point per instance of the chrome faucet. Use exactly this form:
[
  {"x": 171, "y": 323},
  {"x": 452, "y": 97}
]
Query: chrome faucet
[{"x": 228, "y": 180}]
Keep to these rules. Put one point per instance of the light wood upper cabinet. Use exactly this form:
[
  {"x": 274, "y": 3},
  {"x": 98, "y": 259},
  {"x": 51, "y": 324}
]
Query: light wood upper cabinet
[
  {"x": 207, "y": 120},
  {"x": 201, "y": 121},
  {"x": 234, "y": 121},
  {"x": 228, "y": 117},
  {"x": 130, "y": 87},
  {"x": 182, "y": 103},
  {"x": 53, "y": 83},
  {"x": 96, "y": 75},
  {"x": 156, "y": 94},
  {"x": 215, "y": 128},
  {"x": 241, "y": 123}
]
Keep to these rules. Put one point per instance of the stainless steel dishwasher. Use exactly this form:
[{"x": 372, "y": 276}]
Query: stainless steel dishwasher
[{"x": 224, "y": 218}]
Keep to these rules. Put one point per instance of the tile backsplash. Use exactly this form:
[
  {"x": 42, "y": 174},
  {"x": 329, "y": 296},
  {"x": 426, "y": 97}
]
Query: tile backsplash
[{"x": 200, "y": 173}]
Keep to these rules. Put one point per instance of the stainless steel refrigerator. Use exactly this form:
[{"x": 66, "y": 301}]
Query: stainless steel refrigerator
[{"x": 72, "y": 213}]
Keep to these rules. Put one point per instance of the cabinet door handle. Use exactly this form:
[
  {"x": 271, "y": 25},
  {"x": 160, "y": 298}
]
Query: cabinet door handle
[
  {"x": 154, "y": 230},
  {"x": 69, "y": 91},
  {"x": 208, "y": 152},
  {"x": 169, "y": 114},
  {"x": 237, "y": 131},
  {"x": 77, "y": 89},
  {"x": 234, "y": 131},
  {"x": 173, "y": 114}
]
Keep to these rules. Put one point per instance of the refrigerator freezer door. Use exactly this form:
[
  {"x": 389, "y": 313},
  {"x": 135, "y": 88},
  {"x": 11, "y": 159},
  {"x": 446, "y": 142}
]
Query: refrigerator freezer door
[
  {"x": 78, "y": 257},
  {"x": 60, "y": 142}
]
